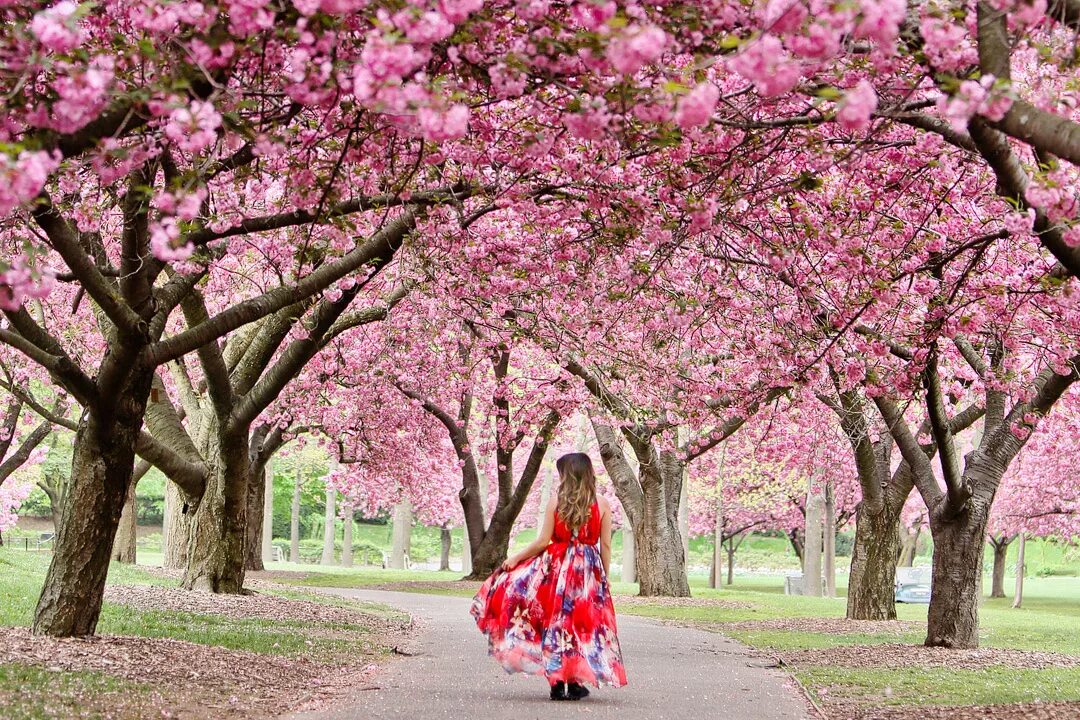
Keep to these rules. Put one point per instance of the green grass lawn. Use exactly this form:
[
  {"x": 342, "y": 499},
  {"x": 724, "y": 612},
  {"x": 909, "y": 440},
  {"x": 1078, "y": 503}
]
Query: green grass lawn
[{"x": 24, "y": 572}]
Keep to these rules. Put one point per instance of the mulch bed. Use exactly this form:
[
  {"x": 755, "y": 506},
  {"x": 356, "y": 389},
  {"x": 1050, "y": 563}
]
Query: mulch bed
[
  {"x": 908, "y": 656},
  {"x": 1018, "y": 711},
  {"x": 199, "y": 682}
]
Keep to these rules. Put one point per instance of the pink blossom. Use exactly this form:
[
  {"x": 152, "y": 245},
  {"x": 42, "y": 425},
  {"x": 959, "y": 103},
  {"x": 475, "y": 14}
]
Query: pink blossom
[
  {"x": 963, "y": 105},
  {"x": 22, "y": 178},
  {"x": 247, "y": 17},
  {"x": 81, "y": 95},
  {"x": 164, "y": 241},
  {"x": 636, "y": 47},
  {"x": 1019, "y": 223},
  {"x": 820, "y": 41},
  {"x": 881, "y": 20},
  {"x": 947, "y": 45},
  {"x": 766, "y": 64},
  {"x": 506, "y": 82},
  {"x": 56, "y": 27},
  {"x": 696, "y": 107},
  {"x": 784, "y": 16},
  {"x": 1020, "y": 431},
  {"x": 593, "y": 15},
  {"x": 390, "y": 61},
  {"x": 457, "y": 10},
  {"x": 442, "y": 125},
  {"x": 428, "y": 28},
  {"x": 591, "y": 123},
  {"x": 857, "y": 106},
  {"x": 1071, "y": 236},
  {"x": 193, "y": 128}
]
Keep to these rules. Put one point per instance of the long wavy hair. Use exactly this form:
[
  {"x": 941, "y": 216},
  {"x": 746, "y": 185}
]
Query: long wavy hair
[{"x": 577, "y": 491}]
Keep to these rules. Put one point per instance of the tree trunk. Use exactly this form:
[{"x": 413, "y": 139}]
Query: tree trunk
[
  {"x": 796, "y": 544},
  {"x": 660, "y": 560},
  {"x": 545, "y": 495},
  {"x": 872, "y": 581},
  {"x": 731, "y": 561},
  {"x": 1001, "y": 550},
  {"x": 176, "y": 528},
  {"x": 466, "y": 554},
  {"x": 1021, "y": 569},
  {"x": 629, "y": 572},
  {"x": 294, "y": 522},
  {"x": 909, "y": 545},
  {"x": 218, "y": 543},
  {"x": 492, "y": 550},
  {"x": 402, "y": 530},
  {"x": 256, "y": 509},
  {"x": 829, "y": 541},
  {"x": 815, "y": 510},
  {"x": 124, "y": 546},
  {"x": 684, "y": 499},
  {"x": 347, "y": 541},
  {"x": 329, "y": 527},
  {"x": 101, "y": 470},
  {"x": 267, "y": 545},
  {"x": 953, "y": 619},
  {"x": 444, "y": 557},
  {"x": 716, "y": 573}
]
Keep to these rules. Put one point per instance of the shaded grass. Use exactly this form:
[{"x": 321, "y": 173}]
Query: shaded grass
[
  {"x": 941, "y": 686},
  {"x": 28, "y": 692},
  {"x": 785, "y": 640},
  {"x": 329, "y": 642}
]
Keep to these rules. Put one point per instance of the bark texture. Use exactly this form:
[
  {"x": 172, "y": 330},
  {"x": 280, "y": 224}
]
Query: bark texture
[
  {"x": 104, "y": 458},
  {"x": 1001, "y": 550}
]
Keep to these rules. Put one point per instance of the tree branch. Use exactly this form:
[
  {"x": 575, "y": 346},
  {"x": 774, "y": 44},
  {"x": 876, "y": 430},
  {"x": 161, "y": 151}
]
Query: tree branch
[
  {"x": 65, "y": 241},
  {"x": 383, "y": 243}
]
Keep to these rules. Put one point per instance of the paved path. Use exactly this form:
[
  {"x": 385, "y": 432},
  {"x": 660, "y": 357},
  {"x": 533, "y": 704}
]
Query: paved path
[{"x": 674, "y": 674}]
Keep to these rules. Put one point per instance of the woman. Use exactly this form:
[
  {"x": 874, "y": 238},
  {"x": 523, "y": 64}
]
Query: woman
[{"x": 547, "y": 610}]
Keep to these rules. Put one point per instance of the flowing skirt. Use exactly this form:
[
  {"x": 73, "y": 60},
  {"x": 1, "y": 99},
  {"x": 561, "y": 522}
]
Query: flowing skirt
[{"x": 553, "y": 616}]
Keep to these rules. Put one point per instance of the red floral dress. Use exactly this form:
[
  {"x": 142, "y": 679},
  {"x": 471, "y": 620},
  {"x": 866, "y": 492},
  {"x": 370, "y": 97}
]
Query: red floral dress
[{"x": 553, "y": 615}]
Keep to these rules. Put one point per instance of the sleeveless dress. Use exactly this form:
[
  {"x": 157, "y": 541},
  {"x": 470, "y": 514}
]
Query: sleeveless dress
[{"x": 553, "y": 615}]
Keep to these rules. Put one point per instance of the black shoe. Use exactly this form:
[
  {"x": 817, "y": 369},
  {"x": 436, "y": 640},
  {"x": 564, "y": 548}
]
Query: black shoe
[
  {"x": 576, "y": 691},
  {"x": 558, "y": 691}
]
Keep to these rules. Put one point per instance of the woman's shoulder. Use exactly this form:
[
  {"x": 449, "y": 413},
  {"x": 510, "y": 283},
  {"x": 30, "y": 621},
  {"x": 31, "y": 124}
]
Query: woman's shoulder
[{"x": 605, "y": 506}]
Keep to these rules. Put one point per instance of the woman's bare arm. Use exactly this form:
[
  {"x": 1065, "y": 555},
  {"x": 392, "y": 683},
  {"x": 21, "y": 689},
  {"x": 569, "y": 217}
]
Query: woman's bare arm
[{"x": 543, "y": 538}]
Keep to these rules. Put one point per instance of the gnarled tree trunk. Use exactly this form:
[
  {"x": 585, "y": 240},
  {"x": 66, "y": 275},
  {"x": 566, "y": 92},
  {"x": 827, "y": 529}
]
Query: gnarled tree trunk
[
  {"x": 953, "y": 619},
  {"x": 1001, "y": 551},
  {"x": 217, "y": 545},
  {"x": 101, "y": 472},
  {"x": 256, "y": 507},
  {"x": 629, "y": 571},
  {"x": 812, "y": 555},
  {"x": 872, "y": 581},
  {"x": 124, "y": 545},
  {"x": 660, "y": 561},
  {"x": 445, "y": 539},
  {"x": 401, "y": 532},
  {"x": 1021, "y": 569}
]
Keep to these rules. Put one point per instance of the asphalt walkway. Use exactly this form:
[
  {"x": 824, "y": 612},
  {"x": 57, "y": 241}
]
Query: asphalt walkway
[{"x": 674, "y": 674}]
